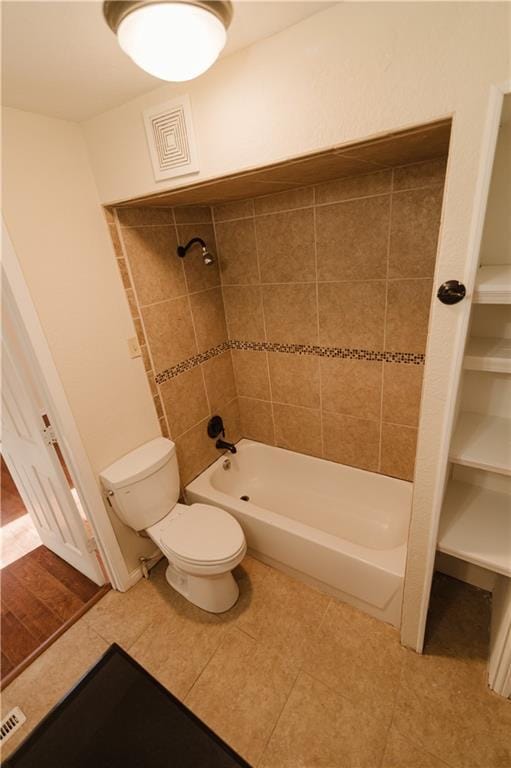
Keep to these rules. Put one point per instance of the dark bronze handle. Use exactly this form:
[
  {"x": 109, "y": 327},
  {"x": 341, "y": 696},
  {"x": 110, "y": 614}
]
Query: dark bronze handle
[{"x": 451, "y": 292}]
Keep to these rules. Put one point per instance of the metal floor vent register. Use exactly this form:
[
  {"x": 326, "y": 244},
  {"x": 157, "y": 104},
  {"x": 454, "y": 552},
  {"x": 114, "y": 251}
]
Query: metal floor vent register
[{"x": 11, "y": 723}]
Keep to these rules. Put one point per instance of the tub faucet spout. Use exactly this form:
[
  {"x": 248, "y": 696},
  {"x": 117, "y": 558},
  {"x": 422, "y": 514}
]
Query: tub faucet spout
[{"x": 222, "y": 445}]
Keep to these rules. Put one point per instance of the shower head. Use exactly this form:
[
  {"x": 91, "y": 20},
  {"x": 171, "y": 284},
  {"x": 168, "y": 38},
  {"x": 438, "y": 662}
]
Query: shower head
[{"x": 207, "y": 257}]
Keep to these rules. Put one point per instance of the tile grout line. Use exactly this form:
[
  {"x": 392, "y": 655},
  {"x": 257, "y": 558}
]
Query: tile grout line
[
  {"x": 260, "y": 287},
  {"x": 192, "y": 317},
  {"x": 394, "y": 706},
  {"x": 207, "y": 663},
  {"x": 314, "y": 224},
  {"x": 278, "y": 719},
  {"x": 382, "y": 383},
  {"x": 392, "y": 720},
  {"x": 325, "y": 411},
  {"x": 176, "y": 235},
  {"x": 188, "y": 429},
  {"x": 184, "y": 295},
  {"x": 228, "y": 347},
  {"x": 201, "y": 365},
  {"x": 322, "y": 282},
  {"x": 159, "y": 224},
  {"x": 183, "y": 271}
]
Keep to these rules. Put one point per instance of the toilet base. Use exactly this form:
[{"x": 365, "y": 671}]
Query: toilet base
[{"x": 215, "y": 594}]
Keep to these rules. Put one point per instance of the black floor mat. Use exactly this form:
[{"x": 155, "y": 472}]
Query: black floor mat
[{"x": 119, "y": 716}]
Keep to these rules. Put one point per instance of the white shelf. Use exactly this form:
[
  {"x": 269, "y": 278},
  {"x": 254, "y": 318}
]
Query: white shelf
[
  {"x": 493, "y": 285},
  {"x": 476, "y": 526},
  {"x": 485, "y": 354},
  {"x": 483, "y": 442}
]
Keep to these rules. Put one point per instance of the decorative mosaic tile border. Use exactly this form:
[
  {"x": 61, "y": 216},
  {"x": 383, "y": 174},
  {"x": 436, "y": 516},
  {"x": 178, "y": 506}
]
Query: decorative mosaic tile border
[
  {"x": 191, "y": 362},
  {"x": 319, "y": 351},
  {"x": 409, "y": 358}
]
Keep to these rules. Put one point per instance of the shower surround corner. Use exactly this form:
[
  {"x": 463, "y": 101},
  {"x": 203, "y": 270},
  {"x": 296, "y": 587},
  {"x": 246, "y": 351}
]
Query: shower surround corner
[{"x": 309, "y": 330}]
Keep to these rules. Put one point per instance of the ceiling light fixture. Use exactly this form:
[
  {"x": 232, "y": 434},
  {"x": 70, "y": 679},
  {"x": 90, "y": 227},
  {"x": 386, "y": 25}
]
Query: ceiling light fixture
[{"x": 174, "y": 40}]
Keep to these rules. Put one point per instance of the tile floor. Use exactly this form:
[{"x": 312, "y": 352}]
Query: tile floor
[
  {"x": 293, "y": 679},
  {"x": 17, "y": 538}
]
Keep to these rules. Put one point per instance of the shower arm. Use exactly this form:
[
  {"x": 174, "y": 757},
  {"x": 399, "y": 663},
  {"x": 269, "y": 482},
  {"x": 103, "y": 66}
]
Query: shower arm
[{"x": 183, "y": 249}]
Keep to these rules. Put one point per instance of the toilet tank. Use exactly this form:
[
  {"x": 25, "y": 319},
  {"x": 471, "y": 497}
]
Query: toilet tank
[{"x": 143, "y": 486}]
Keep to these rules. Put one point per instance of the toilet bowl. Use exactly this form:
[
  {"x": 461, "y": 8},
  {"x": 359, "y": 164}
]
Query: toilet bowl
[{"x": 202, "y": 543}]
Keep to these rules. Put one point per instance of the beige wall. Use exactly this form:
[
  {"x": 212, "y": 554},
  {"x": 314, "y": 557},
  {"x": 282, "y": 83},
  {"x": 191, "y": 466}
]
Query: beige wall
[
  {"x": 496, "y": 244},
  {"x": 60, "y": 237},
  {"x": 353, "y": 70}
]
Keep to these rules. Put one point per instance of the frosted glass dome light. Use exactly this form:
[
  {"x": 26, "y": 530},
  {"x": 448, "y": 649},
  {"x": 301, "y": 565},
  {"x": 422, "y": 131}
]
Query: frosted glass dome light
[{"x": 171, "y": 40}]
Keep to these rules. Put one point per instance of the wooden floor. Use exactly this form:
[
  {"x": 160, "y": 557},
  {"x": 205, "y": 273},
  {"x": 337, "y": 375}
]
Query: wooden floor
[{"x": 41, "y": 597}]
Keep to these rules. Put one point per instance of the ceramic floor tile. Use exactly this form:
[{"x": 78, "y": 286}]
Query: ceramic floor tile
[
  {"x": 321, "y": 729},
  {"x": 400, "y": 753},
  {"x": 17, "y": 538},
  {"x": 444, "y": 707},
  {"x": 177, "y": 646},
  {"x": 293, "y": 679},
  {"x": 357, "y": 656},
  {"x": 121, "y": 617},
  {"x": 242, "y": 692},
  {"x": 51, "y": 676},
  {"x": 283, "y": 612},
  {"x": 251, "y": 568}
]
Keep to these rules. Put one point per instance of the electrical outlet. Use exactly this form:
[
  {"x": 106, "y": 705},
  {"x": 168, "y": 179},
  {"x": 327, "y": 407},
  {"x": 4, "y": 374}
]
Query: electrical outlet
[{"x": 134, "y": 347}]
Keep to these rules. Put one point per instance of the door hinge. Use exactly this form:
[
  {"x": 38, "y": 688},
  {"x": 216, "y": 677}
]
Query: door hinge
[
  {"x": 49, "y": 435},
  {"x": 92, "y": 545}
]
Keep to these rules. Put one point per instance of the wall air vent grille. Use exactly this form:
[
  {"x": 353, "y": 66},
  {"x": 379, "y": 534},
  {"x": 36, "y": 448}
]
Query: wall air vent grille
[
  {"x": 10, "y": 724},
  {"x": 171, "y": 139}
]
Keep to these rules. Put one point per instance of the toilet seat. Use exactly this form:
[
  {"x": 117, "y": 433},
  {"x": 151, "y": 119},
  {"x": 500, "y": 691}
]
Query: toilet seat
[{"x": 199, "y": 535}]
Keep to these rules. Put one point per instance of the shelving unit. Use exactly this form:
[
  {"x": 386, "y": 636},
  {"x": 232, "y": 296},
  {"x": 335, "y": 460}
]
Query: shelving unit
[
  {"x": 493, "y": 285},
  {"x": 476, "y": 526},
  {"x": 474, "y": 533},
  {"x": 483, "y": 442},
  {"x": 475, "y": 523},
  {"x": 487, "y": 354}
]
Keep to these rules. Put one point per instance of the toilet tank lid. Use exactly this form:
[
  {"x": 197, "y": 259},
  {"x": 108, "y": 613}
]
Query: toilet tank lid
[{"x": 138, "y": 464}]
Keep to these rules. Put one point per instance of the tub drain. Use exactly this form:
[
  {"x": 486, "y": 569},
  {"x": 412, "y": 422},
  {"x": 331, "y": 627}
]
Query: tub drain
[{"x": 245, "y": 498}]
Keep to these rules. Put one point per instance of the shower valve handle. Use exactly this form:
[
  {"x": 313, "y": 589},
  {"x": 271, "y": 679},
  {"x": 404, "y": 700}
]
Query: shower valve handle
[
  {"x": 216, "y": 427},
  {"x": 451, "y": 292}
]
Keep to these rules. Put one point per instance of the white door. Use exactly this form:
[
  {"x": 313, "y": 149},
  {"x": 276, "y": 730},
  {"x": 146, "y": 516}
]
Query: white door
[{"x": 29, "y": 452}]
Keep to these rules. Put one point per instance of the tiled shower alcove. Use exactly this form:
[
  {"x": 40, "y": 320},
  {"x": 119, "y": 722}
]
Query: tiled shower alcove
[{"x": 309, "y": 331}]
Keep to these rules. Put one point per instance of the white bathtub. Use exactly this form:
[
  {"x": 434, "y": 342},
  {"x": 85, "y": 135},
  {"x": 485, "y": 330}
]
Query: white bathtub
[{"x": 341, "y": 529}]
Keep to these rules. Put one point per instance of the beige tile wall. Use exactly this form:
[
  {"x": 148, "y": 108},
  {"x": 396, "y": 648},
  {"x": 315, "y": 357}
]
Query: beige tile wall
[
  {"x": 178, "y": 311},
  {"x": 346, "y": 263}
]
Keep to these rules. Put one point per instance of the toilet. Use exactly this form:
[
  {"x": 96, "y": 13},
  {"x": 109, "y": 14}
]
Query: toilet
[{"x": 202, "y": 543}]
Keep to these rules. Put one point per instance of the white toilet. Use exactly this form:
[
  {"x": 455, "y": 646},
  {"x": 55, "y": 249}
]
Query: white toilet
[{"x": 202, "y": 543}]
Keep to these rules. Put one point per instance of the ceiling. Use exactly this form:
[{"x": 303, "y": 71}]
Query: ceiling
[
  {"x": 61, "y": 59},
  {"x": 413, "y": 145}
]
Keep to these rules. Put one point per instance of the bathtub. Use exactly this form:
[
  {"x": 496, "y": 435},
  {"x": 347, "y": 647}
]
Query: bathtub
[{"x": 341, "y": 529}]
